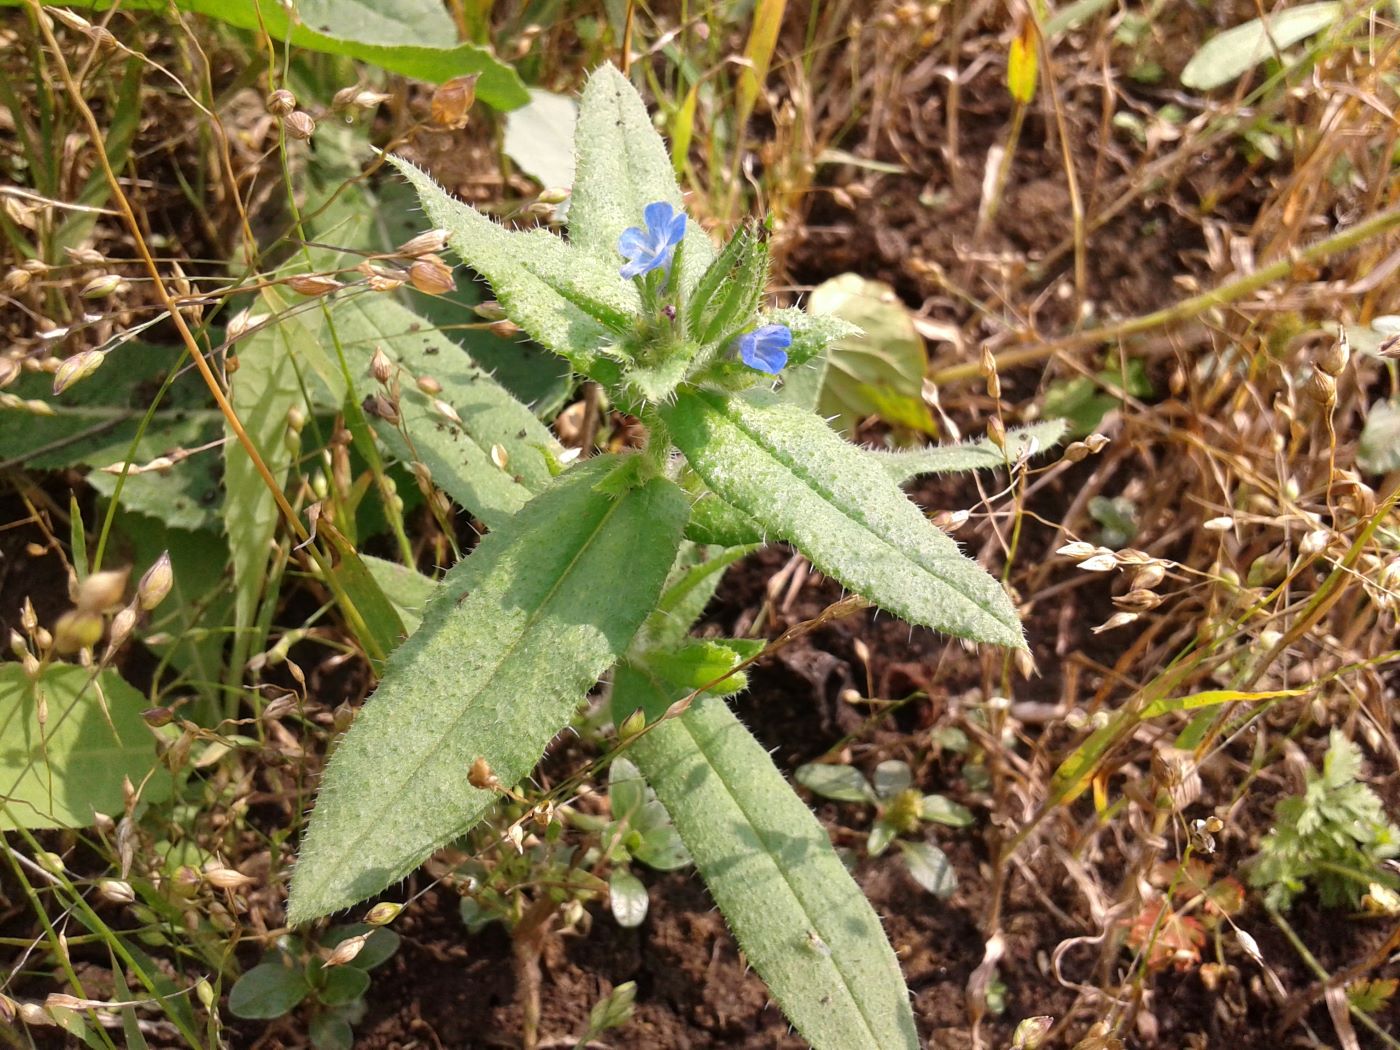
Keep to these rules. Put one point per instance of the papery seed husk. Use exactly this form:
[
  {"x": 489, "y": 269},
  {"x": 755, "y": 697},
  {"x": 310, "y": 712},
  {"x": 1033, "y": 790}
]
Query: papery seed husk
[
  {"x": 1077, "y": 549},
  {"x": 383, "y": 913},
  {"x": 346, "y": 950},
  {"x": 1321, "y": 388},
  {"x": 1099, "y": 563},
  {"x": 312, "y": 284},
  {"x": 429, "y": 386},
  {"x": 380, "y": 365},
  {"x": 155, "y": 583},
  {"x": 117, "y": 891},
  {"x": 281, "y": 103},
  {"x": 452, "y": 100},
  {"x": 102, "y": 590},
  {"x": 490, "y": 310},
  {"x": 101, "y": 286},
  {"x": 1115, "y": 621},
  {"x": 300, "y": 125},
  {"x": 1334, "y": 357},
  {"x": 428, "y": 242},
  {"x": 430, "y": 275},
  {"x": 77, "y": 368}
]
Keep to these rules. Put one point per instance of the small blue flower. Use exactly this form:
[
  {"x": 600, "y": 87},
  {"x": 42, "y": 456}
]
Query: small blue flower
[
  {"x": 647, "y": 249},
  {"x": 765, "y": 348}
]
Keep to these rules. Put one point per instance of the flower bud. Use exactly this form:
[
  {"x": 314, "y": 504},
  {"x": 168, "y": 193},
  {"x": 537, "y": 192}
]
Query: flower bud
[
  {"x": 156, "y": 583},
  {"x": 205, "y": 993},
  {"x": 227, "y": 878},
  {"x": 452, "y": 100},
  {"x": 431, "y": 275},
  {"x": 101, "y": 286},
  {"x": 490, "y": 310},
  {"x": 632, "y": 725},
  {"x": 300, "y": 125},
  {"x": 281, "y": 103},
  {"x": 76, "y": 630},
  {"x": 76, "y": 368},
  {"x": 428, "y": 242},
  {"x": 383, "y": 913},
  {"x": 312, "y": 284},
  {"x": 1030, "y": 1034}
]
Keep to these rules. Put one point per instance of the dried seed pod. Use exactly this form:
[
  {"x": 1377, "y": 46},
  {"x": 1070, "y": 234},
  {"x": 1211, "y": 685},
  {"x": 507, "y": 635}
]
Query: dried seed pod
[
  {"x": 380, "y": 407},
  {"x": 1321, "y": 389},
  {"x": 996, "y": 432},
  {"x": 122, "y": 626},
  {"x": 227, "y": 878},
  {"x": 1149, "y": 576},
  {"x": 300, "y": 125},
  {"x": 1119, "y": 619},
  {"x": 429, "y": 274},
  {"x": 117, "y": 891},
  {"x": 380, "y": 366},
  {"x": 17, "y": 280},
  {"x": 1138, "y": 600},
  {"x": 430, "y": 242},
  {"x": 506, "y": 329},
  {"x": 481, "y": 777},
  {"x": 281, "y": 103},
  {"x": 312, "y": 284},
  {"x": 1078, "y": 550},
  {"x": 1095, "y": 443},
  {"x": 452, "y": 101},
  {"x": 429, "y": 386},
  {"x": 9, "y": 371},
  {"x": 346, "y": 950},
  {"x": 1333, "y": 359}
]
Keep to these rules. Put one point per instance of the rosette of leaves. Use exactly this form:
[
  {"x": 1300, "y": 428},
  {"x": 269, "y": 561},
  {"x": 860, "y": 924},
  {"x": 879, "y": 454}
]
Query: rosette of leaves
[{"x": 597, "y": 567}]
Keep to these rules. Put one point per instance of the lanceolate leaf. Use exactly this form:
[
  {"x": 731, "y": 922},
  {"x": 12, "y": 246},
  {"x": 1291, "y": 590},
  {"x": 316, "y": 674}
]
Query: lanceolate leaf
[
  {"x": 515, "y": 636},
  {"x": 459, "y": 455},
  {"x": 622, "y": 167},
  {"x": 972, "y": 455},
  {"x": 566, "y": 298},
  {"x": 798, "y": 915},
  {"x": 802, "y": 483}
]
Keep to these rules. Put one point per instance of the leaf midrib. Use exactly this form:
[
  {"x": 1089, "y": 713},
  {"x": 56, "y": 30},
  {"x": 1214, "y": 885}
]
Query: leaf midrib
[{"x": 509, "y": 651}]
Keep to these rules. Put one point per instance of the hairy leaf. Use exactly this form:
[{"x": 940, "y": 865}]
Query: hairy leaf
[
  {"x": 622, "y": 167},
  {"x": 566, "y": 298},
  {"x": 907, "y": 465},
  {"x": 796, "y": 912},
  {"x": 799, "y": 480},
  {"x": 514, "y": 637}
]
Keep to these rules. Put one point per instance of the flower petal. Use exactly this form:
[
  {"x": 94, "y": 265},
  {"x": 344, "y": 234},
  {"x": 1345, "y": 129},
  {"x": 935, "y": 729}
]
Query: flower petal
[
  {"x": 773, "y": 337},
  {"x": 658, "y": 215},
  {"x": 633, "y": 242},
  {"x": 676, "y": 233}
]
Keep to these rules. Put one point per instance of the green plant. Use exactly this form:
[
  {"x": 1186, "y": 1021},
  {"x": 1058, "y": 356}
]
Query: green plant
[
  {"x": 561, "y": 588},
  {"x": 1333, "y": 836},
  {"x": 901, "y": 810},
  {"x": 332, "y": 973}
]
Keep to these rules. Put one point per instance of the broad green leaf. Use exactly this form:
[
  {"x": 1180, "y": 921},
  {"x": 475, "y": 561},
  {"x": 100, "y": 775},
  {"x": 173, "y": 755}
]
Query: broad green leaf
[
  {"x": 407, "y": 588},
  {"x": 712, "y": 521},
  {"x": 58, "y": 774},
  {"x": 891, "y": 777},
  {"x": 792, "y": 474},
  {"x": 262, "y": 392},
  {"x": 540, "y": 138},
  {"x": 331, "y": 1031},
  {"x": 564, "y": 297},
  {"x": 799, "y": 917},
  {"x": 1378, "y": 452},
  {"x": 622, "y": 167},
  {"x": 879, "y": 371},
  {"x": 942, "y": 810},
  {"x": 838, "y": 782},
  {"x": 459, "y": 455},
  {"x": 627, "y": 898},
  {"x": 362, "y": 591},
  {"x": 930, "y": 868},
  {"x": 342, "y": 984},
  {"x": 513, "y": 639},
  {"x": 1229, "y": 54},
  {"x": 268, "y": 990},
  {"x": 95, "y": 421},
  {"x": 415, "y": 38},
  {"x": 907, "y": 465}
]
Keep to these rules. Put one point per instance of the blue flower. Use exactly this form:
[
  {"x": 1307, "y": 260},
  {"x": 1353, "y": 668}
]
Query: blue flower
[
  {"x": 647, "y": 249},
  {"x": 765, "y": 348}
]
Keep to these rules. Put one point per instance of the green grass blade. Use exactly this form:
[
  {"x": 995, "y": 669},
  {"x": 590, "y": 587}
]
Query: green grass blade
[
  {"x": 801, "y": 482},
  {"x": 516, "y": 635},
  {"x": 800, "y": 918}
]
